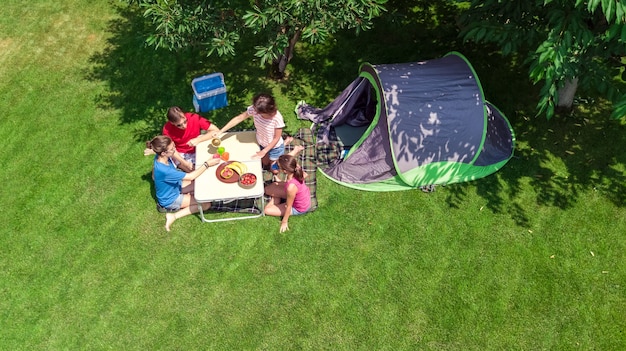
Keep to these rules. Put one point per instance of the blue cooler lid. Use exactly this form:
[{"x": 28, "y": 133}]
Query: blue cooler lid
[{"x": 210, "y": 83}]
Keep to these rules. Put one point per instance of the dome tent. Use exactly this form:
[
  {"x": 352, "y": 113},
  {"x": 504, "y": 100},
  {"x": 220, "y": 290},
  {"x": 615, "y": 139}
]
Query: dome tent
[{"x": 409, "y": 125}]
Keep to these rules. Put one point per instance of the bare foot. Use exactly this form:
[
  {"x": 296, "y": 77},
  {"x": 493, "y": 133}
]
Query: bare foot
[
  {"x": 297, "y": 149},
  {"x": 169, "y": 219},
  {"x": 288, "y": 140}
]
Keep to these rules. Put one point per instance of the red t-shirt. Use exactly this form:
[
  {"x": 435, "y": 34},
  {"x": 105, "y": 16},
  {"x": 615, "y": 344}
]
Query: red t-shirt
[{"x": 180, "y": 137}]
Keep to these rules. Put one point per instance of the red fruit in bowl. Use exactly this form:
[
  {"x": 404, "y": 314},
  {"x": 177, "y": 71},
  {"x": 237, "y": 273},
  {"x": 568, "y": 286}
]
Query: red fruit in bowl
[{"x": 247, "y": 179}]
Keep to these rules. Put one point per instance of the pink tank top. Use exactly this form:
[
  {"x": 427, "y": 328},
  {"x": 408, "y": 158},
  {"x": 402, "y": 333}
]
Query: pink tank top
[{"x": 302, "y": 202}]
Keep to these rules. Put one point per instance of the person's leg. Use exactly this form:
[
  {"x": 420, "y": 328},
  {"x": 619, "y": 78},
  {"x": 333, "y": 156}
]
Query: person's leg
[
  {"x": 274, "y": 209},
  {"x": 188, "y": 207},
  {"x": 276, "y": 190},
  {"x": 266, "y": 162},
  {"x": 273, "y": 156},
  {"x": 187, "y": 187},
  {"x": 296, "y": 149},
  {"x": 275, "y": 170}
]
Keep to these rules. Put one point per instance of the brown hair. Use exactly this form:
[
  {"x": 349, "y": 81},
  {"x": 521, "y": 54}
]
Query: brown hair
[
  {"x": 264, "y": 103},
  {"x": 159, "y": 143},
  {"x": 290, "y": 165},
  {"x": 175, "y": 114}
]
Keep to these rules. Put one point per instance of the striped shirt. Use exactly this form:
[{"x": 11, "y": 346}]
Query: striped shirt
[{"x": 265, "y": 127}]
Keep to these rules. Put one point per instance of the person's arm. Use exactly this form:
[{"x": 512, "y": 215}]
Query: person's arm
[
  {"x": 278, "y": 133},
  {"x": 292, "y": 190},
  {"x": 201, "y": 168},
  {"x": 233, "y": 122},
  {"x": 213, "y": 128},
  {"x": 186, "y": 164},
  {"x": 148, "y": 150},
  {"x": 210, "y": 134}
]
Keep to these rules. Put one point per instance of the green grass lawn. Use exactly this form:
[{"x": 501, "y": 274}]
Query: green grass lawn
[{"x": 530, "y": 258}]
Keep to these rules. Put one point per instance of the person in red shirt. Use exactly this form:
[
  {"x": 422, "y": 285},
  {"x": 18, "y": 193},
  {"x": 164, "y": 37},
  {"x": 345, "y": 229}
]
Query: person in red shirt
[{"x": 185, "y": 130}]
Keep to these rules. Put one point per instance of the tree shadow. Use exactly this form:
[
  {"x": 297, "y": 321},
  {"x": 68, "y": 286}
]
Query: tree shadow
[
  {"x": 144, "y": 82},
  {"x": 575, "y": 145},
  {"x": 413, "y": 31},
  {"x": 560, "y": 158}
]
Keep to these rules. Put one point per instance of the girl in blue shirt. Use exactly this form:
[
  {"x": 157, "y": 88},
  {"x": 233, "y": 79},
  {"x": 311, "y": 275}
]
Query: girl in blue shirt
[{"x": 173, "y": 186}]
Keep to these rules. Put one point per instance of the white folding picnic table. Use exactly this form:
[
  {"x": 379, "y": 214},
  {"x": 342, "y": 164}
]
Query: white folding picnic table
[{"x": 241, "y": 147}]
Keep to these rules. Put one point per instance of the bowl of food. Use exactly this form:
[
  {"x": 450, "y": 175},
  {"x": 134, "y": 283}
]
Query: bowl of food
[{"x": 247, "y": 180}]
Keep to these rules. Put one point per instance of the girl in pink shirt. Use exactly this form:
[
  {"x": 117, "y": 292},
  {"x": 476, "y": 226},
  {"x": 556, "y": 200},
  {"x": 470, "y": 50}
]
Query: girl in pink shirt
[{"x": 293, "y": 190}]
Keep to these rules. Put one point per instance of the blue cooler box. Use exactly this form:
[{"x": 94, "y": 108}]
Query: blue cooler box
[{"x": 209, "y": 92}]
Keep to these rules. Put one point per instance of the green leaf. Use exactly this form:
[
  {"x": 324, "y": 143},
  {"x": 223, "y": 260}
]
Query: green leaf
[
  {"x": 592, "y": 5},
  {"x": 537, "y": 72},
  {"x": 612, "y": 32},
  {"x": 567, "y": 39},
  {"x": 619, "y": 12},
  {"x": 547, "y": 55},
  {"x": 255, "y": 19},
  {"x": 608, "y": 8},
  {"x": 619, "y": 108},
  {"x": 507, "y": 48},
  {"x": 481, "y": 34},
  {"x": 470, "y": 34}
]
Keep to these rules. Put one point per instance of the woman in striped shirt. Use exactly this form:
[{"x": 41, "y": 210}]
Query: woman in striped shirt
[{"x": 269, "y": 124}]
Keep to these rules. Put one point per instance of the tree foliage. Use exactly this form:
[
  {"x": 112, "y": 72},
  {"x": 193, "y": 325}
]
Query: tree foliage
[
  {"x": 177, "y": 24},
  {"x": 561, "y": 40},
  {"x": 284, "y": 22},
  {"x": 279, "y": 24}
]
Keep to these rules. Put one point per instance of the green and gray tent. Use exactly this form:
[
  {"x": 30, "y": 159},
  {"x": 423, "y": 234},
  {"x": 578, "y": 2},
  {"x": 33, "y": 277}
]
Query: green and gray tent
[{"x": 409, "y": 125}]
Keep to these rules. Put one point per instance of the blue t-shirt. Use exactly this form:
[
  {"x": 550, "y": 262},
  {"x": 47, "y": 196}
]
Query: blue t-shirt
[{"x": 167, "y": 181}]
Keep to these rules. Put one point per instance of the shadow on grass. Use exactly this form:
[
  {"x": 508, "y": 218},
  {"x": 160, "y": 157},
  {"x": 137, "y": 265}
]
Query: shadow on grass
[
  {"x": 414, "y": 31},
  {"x": 147, "y": 177},
  {"x": 143, "y": 82},
  {"x": 560, "y": 159}
]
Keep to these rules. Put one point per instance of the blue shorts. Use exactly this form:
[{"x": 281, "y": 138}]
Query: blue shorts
[
  {"x": 295, "y": 212},
  {"x": 276, "y": 152},
  {"x": 175, "y": 206}
]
